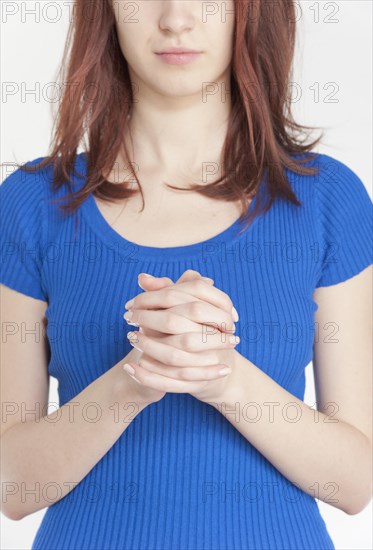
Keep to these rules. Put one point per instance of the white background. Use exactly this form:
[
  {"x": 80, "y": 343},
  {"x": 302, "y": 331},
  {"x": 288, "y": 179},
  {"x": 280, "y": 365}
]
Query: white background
[{"x": 333, "y": 56}]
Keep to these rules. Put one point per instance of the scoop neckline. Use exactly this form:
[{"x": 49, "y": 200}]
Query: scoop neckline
[{"x": 107, "y": 233}]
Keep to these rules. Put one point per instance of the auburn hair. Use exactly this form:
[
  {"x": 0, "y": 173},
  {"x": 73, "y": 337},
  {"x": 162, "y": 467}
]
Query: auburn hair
[{"x": 261, "y": 139}]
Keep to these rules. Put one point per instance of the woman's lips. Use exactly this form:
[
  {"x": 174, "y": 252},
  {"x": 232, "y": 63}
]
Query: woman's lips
[{"x": 178, "y": 58}]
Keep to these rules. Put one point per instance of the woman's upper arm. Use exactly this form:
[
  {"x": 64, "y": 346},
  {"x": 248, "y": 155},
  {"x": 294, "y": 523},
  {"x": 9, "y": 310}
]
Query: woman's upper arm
[
  {"x": 342, "y": 358},
  {"x": 24, "y": 358}
]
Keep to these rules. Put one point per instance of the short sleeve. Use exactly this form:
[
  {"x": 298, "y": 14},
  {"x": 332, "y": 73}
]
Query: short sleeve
[
  {"x": 345, "y": 220},
  {"x": 21, "y": 232}
]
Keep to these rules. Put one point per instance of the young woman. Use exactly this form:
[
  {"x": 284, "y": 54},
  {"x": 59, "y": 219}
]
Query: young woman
[{"x": 244, "y": 230}]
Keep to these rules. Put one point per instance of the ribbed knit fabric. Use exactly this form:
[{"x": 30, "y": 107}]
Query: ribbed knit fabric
[{"x": 181, "y": 477}]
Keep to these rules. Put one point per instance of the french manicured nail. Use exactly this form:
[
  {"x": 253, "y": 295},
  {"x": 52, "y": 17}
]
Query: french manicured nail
[
  {"x": 129, "y": 369},
  {"x": 129, "y": 303},
  {"x": 234, "y": 339},
  {"x": 235, "y": 314},
  {"x": 127, "y": 316},
  {"x": 226, "y": 370},
  {"x": 134, "y": 341}
]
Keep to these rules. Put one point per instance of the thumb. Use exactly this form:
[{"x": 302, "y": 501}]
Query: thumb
[
  {"x": 148, "y": 282},
  {"x": 191, "y": 274}
]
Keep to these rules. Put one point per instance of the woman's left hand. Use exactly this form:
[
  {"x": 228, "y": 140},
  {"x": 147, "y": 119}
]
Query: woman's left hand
[{"x": 192, "y": 351}]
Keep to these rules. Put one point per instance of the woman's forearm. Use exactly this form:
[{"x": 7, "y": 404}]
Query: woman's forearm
[
  {"x": 66, "y": 444},
  {"x": 324, "y": 456}
]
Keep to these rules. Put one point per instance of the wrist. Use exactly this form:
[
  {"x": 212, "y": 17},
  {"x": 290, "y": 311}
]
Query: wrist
[
  {"x": 125, "y": 389},
  {"x": 138, "y": 393},
  {"x": 225, "y": 390},
  {"x": 240, "y": 382}
]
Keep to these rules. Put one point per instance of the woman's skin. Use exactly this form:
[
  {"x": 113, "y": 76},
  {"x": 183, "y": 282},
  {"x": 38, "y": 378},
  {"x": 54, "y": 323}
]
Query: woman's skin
[
  {"x": 176, "y": 132},
  {"x": 175, "y": 129}
]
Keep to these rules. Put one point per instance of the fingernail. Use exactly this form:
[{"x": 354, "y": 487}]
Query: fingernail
[
  {"x": 226, "y": 370},
  {"x": 235, "y": 314},
  {"x": 129, "y": 304},
  {"x": 129, "y": 369},
  {"x": 128, "y": 315},
  {"x": 146, "y": 275},
  {"x": 208, "y": 279},
  {"x": 133, "y": 340},
  {"x": 234, "y": 339}
]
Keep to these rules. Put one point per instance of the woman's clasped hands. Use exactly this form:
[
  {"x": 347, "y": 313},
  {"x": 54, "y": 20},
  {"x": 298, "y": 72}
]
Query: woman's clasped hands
[{"x": 186, "y": 341}]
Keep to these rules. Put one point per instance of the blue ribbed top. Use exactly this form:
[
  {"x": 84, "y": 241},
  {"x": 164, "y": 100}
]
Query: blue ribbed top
[{"x": 181, "y": 477}]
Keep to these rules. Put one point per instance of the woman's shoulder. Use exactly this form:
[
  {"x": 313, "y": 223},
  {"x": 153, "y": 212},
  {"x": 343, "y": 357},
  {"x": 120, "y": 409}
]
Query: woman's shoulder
[
  {"x": 29, "y": 197},
  {"x": 22, "y": 198},
  {"x": 18, "y": 182},
  {"x": 343, "y": 212},
  {"x": 29, "y": 187},
  {"x": 22, "y": 230},
  {"x": 334, "y": 179}
]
